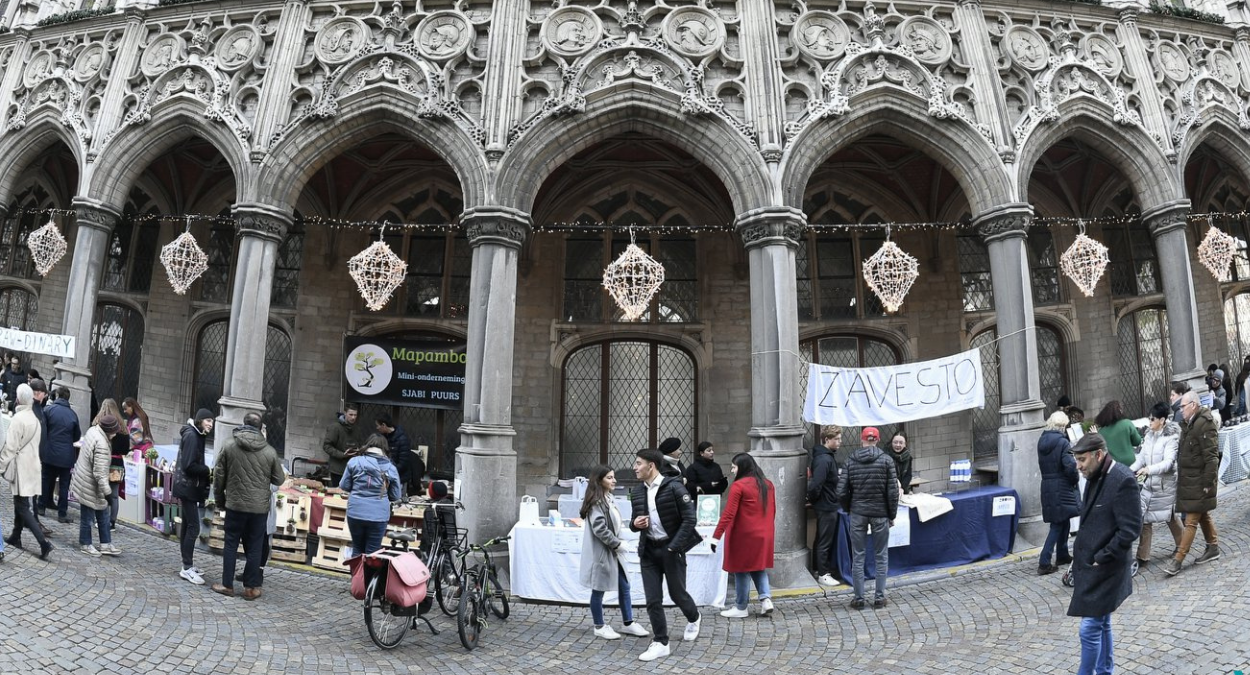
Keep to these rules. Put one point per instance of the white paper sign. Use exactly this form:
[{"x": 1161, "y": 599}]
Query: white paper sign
[
  {"x": 900, "y": 531},
  {"x": 1004, "y": 506},
  {"x": 702, "y": 548},
  {"x": 39, "y": 343},
  {"x": 567, "y": 542},
  {"x": 864, "y": 396}
]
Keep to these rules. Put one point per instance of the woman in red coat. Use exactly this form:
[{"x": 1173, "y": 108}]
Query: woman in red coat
[{"x": 748, "y": 522}]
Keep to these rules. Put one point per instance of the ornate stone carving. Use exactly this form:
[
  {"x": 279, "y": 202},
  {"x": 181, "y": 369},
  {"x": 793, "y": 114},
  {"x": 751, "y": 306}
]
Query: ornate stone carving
[
  {"x": 1224, "y": 68},
  {"x": 443, "y": 35},
  {"x": 95, "y": 215},
  {"x": 571, "y": 31},
  {"x": 340, "y": 40},
  {"x": 261, "y": 224},
  {"x": 927, "y": 39},
  {"x": 495, "y": 226},
  {"x": 821, "y": 35},
  {"x": 1005, "y": 224},
  {"x": 1172, "y": 62},
  {"x": 39, "y": 68},
  {"x": 761, "y": 227},
  {"x": 693, "y": 32},
  {"x": 1027, "y": 48},
  {"x": 237, "y": 47},
  {"x": 162, "y": 54},
  {"x": 1105, "y": 55},
  {"x": 1167, "y": 218},
  {"x": 89, "y": 62}
]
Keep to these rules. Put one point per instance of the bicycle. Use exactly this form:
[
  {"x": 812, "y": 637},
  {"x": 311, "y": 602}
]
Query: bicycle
[
  {"x": 480, "y": 591},
  {"x": 445, "y": 573},
  {"x": 386, "y": 621}
]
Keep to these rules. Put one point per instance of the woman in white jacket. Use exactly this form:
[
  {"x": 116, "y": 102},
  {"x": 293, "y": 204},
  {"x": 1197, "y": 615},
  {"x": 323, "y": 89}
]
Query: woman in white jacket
[
  {"x": 19, "y": 464},
  {"x": 1156, "y": 471}
]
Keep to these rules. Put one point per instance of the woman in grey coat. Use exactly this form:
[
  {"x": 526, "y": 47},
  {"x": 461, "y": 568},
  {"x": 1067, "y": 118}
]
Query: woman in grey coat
[
  {"x": 602, "y": 566},
  {"x": 1156, "y": 471}
]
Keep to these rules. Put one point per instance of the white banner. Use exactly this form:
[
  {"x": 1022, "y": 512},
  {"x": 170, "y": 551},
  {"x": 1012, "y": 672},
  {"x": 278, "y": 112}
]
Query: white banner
[
  {"x": 37, "y": 343},
  {"x": 855, "y": 397}
]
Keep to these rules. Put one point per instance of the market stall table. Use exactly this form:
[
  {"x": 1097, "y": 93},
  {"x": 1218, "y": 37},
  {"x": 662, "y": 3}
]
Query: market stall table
[
  {"x": 965, "y": 535},
  {"x": 1234, "y": 446},
  {"x": 545, "y": 564}
]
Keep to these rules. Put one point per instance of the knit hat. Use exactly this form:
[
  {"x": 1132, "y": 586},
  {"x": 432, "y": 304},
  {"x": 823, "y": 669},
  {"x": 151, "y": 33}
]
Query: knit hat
[
  {"x": 1219, "y": 374},
  {"x": 670, "y": 445},
  {"x": 203, "y": 414},
  {"x": 869, "y": 434},
  {"x": 438, "y": 490},
  {"x": 109, "y": 424}
]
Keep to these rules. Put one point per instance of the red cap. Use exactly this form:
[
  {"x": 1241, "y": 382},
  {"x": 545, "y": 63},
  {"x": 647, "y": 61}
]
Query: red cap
[{"x": 869, "y": 434}]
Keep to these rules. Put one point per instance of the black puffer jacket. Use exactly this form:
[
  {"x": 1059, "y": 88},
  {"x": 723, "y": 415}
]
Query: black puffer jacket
[
  {"x": 701, "y": 475},
  {"x": 191, "y": 473},
  {"x": 1060, "y": 498},
  {"x": 822, "y": 485},
  {"x": 868, "y": 486},
  {"x": 676, "y": 511}
]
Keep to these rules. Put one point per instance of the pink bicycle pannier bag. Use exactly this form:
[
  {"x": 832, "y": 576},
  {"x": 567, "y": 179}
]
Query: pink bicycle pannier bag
[
  {"x": 407, "y": 580},
  {"x": 357, "y": 567}
]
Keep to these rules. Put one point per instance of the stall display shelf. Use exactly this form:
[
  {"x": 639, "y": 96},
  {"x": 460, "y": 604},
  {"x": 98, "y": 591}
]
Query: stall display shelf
[
  {"x": 331, "y": 554},
  {"x": 164, "y": 518},
  {"x": 287, "y": 548}
]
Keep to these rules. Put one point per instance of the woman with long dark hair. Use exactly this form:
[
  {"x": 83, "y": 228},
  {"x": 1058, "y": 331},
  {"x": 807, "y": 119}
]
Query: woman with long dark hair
[
  {"x": 137, "y": 425},
  {"x": 747, "y": 521},
  {"x": 1121, "y": 436},
  {"x": 601, "y": 567}
]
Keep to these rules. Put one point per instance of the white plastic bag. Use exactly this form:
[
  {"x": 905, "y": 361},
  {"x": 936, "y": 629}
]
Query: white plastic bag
[{"x": 529, "y": 511}]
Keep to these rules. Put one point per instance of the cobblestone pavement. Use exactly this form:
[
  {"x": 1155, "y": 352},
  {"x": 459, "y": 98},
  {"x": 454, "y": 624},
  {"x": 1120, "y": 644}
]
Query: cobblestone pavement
[{"x": 134, "y": 615}]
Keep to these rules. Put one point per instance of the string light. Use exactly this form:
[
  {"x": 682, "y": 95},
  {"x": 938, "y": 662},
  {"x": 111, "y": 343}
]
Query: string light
[
  {"x": 47, "y": 247},
  {"x": 184, "y": 261}
]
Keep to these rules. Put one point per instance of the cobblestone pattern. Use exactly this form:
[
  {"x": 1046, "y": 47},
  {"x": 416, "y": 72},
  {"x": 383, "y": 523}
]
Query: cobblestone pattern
[{"x": 134, "y": 615}]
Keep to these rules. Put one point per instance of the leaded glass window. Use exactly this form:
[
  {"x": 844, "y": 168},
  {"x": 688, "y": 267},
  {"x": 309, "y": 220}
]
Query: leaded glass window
[
  {"x": 1134, "y": 268},
  {"x": 131, "y": 253},
  {"x": 844, "y": 351},
  {"x": 1145, "y": 366},
  {"x": 18, "y": 308},
  {"x": 1043, "y": 267},
  {"x": 215, "y": 282},
  {"x": 621, "y": 396},
  {"x": 208, "y": 385},
  {"x": 286, "y": 273},
  {"x": 974, "y": 273},
  {"x": 829, "y": 276},
  {"x": 587, "y": 255},
  {"x": 23, "y": 218},
  {"x": 116, "y": 351},
  {"x": 1052, "y": 366},
  {"x": 1237, "y": 327}
]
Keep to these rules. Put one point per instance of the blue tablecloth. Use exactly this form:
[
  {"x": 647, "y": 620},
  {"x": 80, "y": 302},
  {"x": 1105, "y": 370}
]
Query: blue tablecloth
[{"x": 965, "y": 535}]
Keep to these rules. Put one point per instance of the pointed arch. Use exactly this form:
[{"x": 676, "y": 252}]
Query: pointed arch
[
  {"x": 1221, "y": 130},
  {"x": 20, "y": 148}
]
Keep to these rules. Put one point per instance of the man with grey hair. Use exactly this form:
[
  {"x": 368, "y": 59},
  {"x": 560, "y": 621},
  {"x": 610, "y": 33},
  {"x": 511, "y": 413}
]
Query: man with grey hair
[{"x": 1197, "y": 472}]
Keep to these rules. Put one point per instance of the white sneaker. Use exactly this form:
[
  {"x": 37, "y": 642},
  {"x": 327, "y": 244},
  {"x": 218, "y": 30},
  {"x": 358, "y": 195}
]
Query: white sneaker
[
  {"x": 692, "y": 630},
  {"x": 655, "y": 651},
  {"x": 828, "y": 580},
  {"x": 731, "y": 613},
  {"x": 90, "y": 550},
  {"x": 109, "y": 549},
  {"x": 766, "y": 606},
  {"x": 192, "y": 575},
  {"x": 634, "y": 629},
  {"x": 607, "y": 633}
]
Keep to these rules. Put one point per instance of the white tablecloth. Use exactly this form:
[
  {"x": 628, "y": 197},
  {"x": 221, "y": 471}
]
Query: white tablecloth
[
  {"x": 1234, "y": 446},
  {"x": 545, "y": 564}
]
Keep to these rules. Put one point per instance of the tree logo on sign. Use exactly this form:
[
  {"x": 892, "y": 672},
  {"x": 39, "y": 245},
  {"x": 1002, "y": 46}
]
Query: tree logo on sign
[{"x": 368, "y": 369}]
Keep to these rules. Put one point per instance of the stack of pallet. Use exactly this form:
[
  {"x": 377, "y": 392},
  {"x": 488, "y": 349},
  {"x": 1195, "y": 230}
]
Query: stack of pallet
[
  {"x": 335, "y": 540},
  {"x": 290, "y": 537},
  {"x": 217, "y": 533}
]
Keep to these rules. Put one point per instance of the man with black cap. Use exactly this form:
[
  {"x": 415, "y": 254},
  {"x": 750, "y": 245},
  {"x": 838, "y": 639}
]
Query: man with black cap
[
  {"x": 868, "y": 491},
  {"x": 671, "y": 449},
  {"x": 1101, "y": 564},
  {"x": 191, "y": 483}
]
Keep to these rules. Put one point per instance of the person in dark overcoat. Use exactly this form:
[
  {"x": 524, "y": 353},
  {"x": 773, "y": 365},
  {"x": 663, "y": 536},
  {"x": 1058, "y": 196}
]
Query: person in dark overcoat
[
  {"x": 1101, "y": 563},
  {"x": 1060, "y": 498},
  {"x": 1197, "y": 477}
]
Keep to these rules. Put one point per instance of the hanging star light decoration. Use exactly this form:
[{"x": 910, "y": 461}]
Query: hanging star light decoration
[
  {"x": 47, "y": 247},
  {"x": 1217, "y": 251},
  {"x": 377, "y": 272},
  {"x": 633, "y": 279},
  {"x": 890, "y": 272},
  {"x": 184, "y": 261},
  {"x": 1084, "y": 261}
]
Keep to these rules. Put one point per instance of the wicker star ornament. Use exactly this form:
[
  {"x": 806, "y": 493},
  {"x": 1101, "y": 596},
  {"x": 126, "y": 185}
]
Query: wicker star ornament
[
  {"x": 1084, "y": 262},
  {"x": 1217, "y": 251},
  {"x": 890, "y": 273},
  {"x": 184, "y": 261},
  {"x": 633, "y": 279},
  {"x": 47, "y": 247},
  {"x": 377, "y": 272}
]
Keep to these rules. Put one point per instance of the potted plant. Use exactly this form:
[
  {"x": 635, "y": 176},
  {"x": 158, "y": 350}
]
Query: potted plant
[
  {"x": 290, "y": 526},
  {"x": 151, "y": 455}
]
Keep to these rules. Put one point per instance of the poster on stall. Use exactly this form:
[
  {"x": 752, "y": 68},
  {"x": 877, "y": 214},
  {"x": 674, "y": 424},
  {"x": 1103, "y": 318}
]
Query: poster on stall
[
  {"x": 900, "y": 531},
  {"x": 403, "y": 372},
  {"x": 708, "y": 510},
  {"x": 1004, "y": 506},
  {"x": 567, "y": 542}
]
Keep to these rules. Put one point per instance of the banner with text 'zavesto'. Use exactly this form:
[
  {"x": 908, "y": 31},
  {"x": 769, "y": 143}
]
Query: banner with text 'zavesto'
[
  {"x": 403, "y": 372},
  {"x": 856, "y": 397}
]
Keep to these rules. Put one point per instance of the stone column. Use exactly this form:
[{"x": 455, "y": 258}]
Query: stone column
[
  {"x": 261, "y": 230},
  {"x": 96, "y": 221},
  {"x": 771, "y": 236},
  {"x": 1005, "y": 230},
  {"x": 1167, "y": 226},
  {"x": 486, "y": 460}
]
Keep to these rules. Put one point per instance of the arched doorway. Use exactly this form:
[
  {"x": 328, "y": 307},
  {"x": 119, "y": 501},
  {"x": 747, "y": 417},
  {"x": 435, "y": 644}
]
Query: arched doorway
[
  {"x": 116, "y": 351},
  {"x": 208, "y": 386}
]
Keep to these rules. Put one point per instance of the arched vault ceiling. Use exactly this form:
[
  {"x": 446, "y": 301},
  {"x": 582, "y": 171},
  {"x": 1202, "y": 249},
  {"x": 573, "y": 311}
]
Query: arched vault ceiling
[
  {"x": 1078, "y": 181},
  {"x": 379, "y": 171}
]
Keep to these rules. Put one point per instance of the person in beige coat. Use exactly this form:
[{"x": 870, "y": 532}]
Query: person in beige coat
[
  {"x": 19, "y": 464},
  {"x": 91, "y": 486}
]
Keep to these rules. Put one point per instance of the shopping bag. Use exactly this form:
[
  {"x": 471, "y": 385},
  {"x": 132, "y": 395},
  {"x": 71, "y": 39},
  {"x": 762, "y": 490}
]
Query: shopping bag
[{"x": 529, "y": 511}]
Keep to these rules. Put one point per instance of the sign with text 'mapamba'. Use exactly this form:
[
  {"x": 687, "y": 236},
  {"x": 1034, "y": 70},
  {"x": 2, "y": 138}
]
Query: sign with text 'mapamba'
[
  {"x": 854, "y": 397},
  {"x": 403, "y": 372}
]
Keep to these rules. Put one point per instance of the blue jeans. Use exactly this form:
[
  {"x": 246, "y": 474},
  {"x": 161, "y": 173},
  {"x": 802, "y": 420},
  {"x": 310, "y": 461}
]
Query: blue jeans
[
  {"x": 366, "y": 535},
  {"x": 1, "y": 536},
  {"x": 1096, "y": 656},
  {"x": 881, "y": 552},
  {"x": 1058, "y": 537},
  {"x": 88, "y": 516},
  {"x": 622, "y": 591},
  {"x": 742, "y": 587}
]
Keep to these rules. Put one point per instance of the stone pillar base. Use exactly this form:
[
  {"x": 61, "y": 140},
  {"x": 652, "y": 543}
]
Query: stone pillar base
[
  {"x": 779, "y": 452},
  {"x": 1017, "y": 466},
  {"x": 77, "y": 381},
  {"x": 486, "y": 481}
]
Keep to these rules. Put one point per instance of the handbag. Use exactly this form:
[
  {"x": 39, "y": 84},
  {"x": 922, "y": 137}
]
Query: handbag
[
  {"x": 115, "y": 475},
  {"x": 529, "y": 511}
]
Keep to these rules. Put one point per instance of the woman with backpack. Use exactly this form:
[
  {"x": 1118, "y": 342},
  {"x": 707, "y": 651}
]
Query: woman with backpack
[{"x": 372, "y": 483}]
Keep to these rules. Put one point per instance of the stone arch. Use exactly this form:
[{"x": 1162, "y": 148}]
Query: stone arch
[
  {"x": 135, "y": 147},
  {"x": 890, "y": 335},
  {"x": 955, "y": 145},
  {"x": 638, "y": 107},
  {"x": 1128, "y": 147},
  {"x": 409, "y": 325},
  {"x": 1219, "y": 128},
  {"x": 19, "y": 148},
  {"x": 571, "y": 342},
  {"x": 293, "y": 161}
]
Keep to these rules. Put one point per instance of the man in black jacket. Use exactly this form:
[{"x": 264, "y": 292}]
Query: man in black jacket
[
  {"x": 401, "y": 453},
  {"x": 868, "y": 491},
  {"x": 664, "y": 514},
  {"x": 822, "y": 494},
  {"x": 1101, "y": 571},
  {"x": 61, "y": 431},
  {"x": 191, "y": 484}
]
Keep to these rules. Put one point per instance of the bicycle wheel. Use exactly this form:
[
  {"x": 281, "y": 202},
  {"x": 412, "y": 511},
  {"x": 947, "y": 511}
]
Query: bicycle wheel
[
  {"x": 469, "y": 619},
  {"x": 496, "y": 599},
  {"x": 385, "y": 628},
  {"x": 447, "y": 587}
]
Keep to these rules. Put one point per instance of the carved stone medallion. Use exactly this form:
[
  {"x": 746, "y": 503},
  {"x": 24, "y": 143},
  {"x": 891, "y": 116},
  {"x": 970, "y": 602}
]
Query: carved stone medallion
[
  {"x": 340, "y": 40},
  {"x": 1105, "y": 55},
  {"x": 571, "y": 31},
  {"x": 444, "y": 35},
  {"x": 38, "y": 69},
  {"x": 1026, "y": 47},
  {"x": 89, "y": 63},
  {"x": 1173, "y": 62},
  {"x": 927, "y": 39},
  {"x": 693, "y": 32},
  {"x": 237, "y": 47},
  {"x": 163, "y": 53},
  {"x": 1225, "y": 69},
  {"x": 820, "y": 35}
]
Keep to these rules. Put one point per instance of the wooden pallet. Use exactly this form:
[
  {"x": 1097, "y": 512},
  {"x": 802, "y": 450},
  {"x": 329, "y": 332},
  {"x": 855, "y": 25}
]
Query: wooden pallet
[{"x": 330, "y": 551}]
